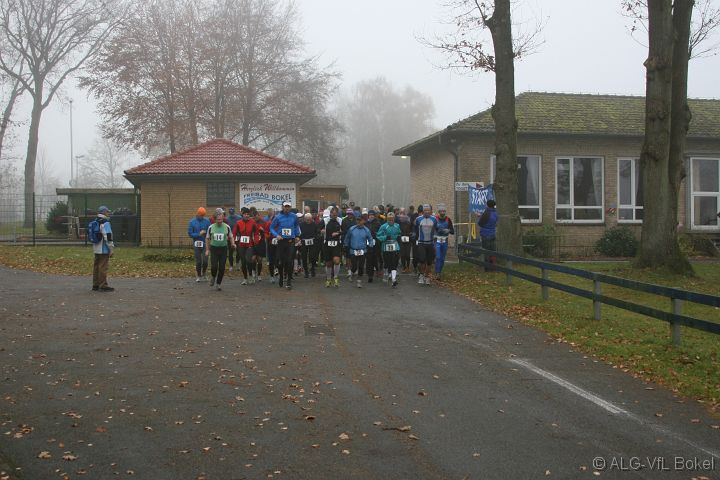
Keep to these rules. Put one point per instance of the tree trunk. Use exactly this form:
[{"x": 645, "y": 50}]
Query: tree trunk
[
  {"x": 666, "y": 111},
  {"x": 503, "y": 113},
  {"x": 31, "y": 156}
]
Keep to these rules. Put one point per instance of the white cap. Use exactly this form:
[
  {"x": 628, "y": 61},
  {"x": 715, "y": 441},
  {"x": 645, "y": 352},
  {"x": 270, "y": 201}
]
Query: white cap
[
  {"x": 364, "y": 211},
  {"x": 287, "y": 204},
  {"x": 299, "y": 214}
]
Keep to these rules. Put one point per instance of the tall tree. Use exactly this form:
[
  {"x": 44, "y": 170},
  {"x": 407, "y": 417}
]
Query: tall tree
[
  {"x": 54, "y": 38},
  {"x": 103, "y": 165},
  {"x": 468, "y": 51},
  {"x": 181, "y": 71},
  {"x": 11, "y": 89},
  {"x": 377, "y": 117},
  {"x": 667, "y": 119}
]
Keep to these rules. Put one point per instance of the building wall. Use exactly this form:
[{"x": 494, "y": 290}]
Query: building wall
[
  {"x": 325, "y": 196},
  {"x": 432, "y": 178}
]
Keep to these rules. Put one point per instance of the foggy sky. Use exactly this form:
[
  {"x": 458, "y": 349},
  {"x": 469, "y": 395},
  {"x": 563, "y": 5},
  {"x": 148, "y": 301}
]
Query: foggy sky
[{"x": 586, "y": 49}]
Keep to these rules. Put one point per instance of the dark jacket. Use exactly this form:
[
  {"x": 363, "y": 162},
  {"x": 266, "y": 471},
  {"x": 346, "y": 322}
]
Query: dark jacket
[{"x": 488, "y": 221}]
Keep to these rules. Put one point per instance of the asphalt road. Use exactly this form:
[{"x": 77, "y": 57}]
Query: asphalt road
[{"x": 166, "y": 379}]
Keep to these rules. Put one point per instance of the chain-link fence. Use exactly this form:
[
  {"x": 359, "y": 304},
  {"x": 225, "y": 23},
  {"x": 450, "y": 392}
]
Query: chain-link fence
[{"x": 54, "y": 219}]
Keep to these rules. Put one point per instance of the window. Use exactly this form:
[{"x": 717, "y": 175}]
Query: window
[
  {"x": 579, "y": 187},
  {"x": 705, "y": 204},
  {"x": 221, "y": 193},
  {"x": 528, "y": 186},
  {"x": 313, "y": 204},
  {"x": 630, "y": 191}
]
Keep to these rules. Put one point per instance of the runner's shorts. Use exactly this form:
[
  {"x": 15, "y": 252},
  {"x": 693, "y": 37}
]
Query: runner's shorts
[
  {"x": 426, "y": 253},
  {"x": 330, "y": 252}
]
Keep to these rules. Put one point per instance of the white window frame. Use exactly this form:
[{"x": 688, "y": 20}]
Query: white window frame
[
  {"x": 694, "y": 194},
  {"x": 572, "y": 206},
  {"x": 540, "y": 187},
  {"x": 319, "y": 203},
  {"x": 633, "y": 182}
]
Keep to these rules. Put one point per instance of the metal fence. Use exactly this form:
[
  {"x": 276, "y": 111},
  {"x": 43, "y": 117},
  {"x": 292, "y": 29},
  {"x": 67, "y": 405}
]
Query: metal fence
[
  {"x": 50, "y": 220},
  {"x": 476, "y": 255}
]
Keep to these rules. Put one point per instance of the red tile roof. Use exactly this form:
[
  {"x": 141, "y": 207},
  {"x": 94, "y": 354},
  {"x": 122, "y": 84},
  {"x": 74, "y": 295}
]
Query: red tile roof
[{"x": 220, "y": 156}]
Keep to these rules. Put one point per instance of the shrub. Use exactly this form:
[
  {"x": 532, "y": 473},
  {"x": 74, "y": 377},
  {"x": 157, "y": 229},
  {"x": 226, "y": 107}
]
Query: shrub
[
  {"x": 617, "y": 242},
  {"x": 55, "y": 221},
  {"x": 540, "y": 242},
  {"x": 696, "y": 245}
]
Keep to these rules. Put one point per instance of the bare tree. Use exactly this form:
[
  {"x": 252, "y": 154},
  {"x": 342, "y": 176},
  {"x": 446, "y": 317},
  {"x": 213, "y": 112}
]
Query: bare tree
[
  {"x": 177, "y": 72},
  {"x": 377, "y": 118},
  {"x": 54, "y": 38},
  {"x": 103, "y": 165},
  {"x": 467, "y": 50},
  {"x": 45, "y": 179},
  {"x": 11, "y": 89}
]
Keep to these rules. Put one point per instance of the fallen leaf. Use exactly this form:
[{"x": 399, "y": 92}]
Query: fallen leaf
[
  {"x": 346, "y": 452},
  {"x": 309, "y": 418},
  {"x": 413, "y": 437},
  {"x": 69, "y": 457},
  {"x": 44, "y": 455},
  {"x": 344, "y": 436}
]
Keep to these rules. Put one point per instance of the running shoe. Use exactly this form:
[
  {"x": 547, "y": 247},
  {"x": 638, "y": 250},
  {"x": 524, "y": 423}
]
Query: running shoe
[
  {"x": 218, "y": 288},
  {"x": 359, "y": 284},
  {"x": 197, "y": 279},
  {"x": 394, "y": 284},
  {"x": 251, "y": 281},
  {"x": 212, "y": 281},
  {"x": 337, "y": 282},
  {"x": 231, "y": 268},
  {"x": 427, "y": 280},
  {"x": 288, "y": 286},
  {"x": 244, "y": 282},
  {"x": 327, "y": 283},
  {"x": 421, "y": 280}
]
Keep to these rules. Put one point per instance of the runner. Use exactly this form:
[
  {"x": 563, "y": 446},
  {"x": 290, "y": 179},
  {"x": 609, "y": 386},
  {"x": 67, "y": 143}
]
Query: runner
[
  {"x": 286, "y": 230},
  {"x": 444, "y": 228},
  {"x": 331, "y": 231},
  {"x": 413, "y": 218},
  {"x": 389, "y": 234},
  {"x": 271, "y": 245},
  {"x": 359, "y": 239},
  {"x": 374, "y": 252},
  {"x": 260, "y": 248},
  {"x": 245, "y": 235},
  {"x": 348, "y": 221},
  {"x": 309, "y": 236},
  {"x": 231, "y": 220},
  {"x": 425, "y": 232},
  {"x": 406, "y": 237},
  {"x": 216, "y": 245},
  {"x": 197, "y": 228}
]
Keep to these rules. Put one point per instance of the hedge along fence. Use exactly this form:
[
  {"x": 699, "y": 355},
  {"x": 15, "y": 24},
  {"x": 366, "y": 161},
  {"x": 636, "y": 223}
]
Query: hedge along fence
[{"x": 475, "y": 255}]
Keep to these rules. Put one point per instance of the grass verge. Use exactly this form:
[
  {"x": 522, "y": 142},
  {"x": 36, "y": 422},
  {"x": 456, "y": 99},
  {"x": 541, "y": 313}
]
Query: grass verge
[
  {"x": 638, "y": 345},
  {"x": 126, "y": 262}
]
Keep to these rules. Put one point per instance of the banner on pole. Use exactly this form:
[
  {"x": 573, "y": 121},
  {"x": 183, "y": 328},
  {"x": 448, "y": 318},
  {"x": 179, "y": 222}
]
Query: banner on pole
[{"x": 478, "y": 198}]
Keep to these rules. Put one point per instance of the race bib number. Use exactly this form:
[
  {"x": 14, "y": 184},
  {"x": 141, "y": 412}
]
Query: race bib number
[
  {"x": 274, "y": 241},
  {"x": 390, "y": 247},
  {"x": 286, "y": 232},
  {"x": 358, "y": 253},
  {"x": 245, "y": 239},
  {"x": 219, "y": 237},
  {"x": 332, "y": 243},
  {"x": 199, "y": 244},
  {"x": 405, "y": 239},
  {"x": 441, "y": 239},
  {"x": 309, "y": 241}
]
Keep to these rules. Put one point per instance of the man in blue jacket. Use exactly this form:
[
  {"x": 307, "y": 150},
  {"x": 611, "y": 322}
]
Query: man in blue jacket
[
  {"x": 426, "y": 229},
  {"x": 359, "y": 240},
  {"x": 488, "y": 223},
  {"x": 286, "y": 230},
  {"x": 197, "y": 228}
]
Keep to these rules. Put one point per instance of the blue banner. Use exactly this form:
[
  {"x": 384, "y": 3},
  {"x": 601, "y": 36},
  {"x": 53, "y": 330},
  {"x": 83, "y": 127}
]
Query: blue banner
[{"x": 478, "y": 198}]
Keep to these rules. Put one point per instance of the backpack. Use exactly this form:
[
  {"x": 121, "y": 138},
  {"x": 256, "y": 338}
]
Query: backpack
[{"x": 93, "y": 232}]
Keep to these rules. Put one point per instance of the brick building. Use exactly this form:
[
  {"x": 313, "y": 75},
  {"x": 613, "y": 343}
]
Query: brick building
[
  {"x": 217, "y": 173},
  {"x": 578, "y": 164}
]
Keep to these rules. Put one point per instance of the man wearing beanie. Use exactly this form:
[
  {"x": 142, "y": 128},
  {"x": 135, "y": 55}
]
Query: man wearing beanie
[{"x": 197, "y": 228}]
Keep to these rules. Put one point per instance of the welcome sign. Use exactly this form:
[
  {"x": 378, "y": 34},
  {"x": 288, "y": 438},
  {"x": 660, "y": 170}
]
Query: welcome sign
[{"x": 267, "y": 195}]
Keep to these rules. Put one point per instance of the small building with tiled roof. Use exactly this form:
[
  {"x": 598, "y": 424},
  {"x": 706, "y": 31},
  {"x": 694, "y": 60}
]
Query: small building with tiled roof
[
  {"x": 578, "y": 165},
  {"x": 217, "y": 173}
]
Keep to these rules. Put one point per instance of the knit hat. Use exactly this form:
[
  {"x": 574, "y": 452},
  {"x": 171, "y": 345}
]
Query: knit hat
[
  {"x": 201, "y": 211},
  {"x": 372, "y": 212},
  {"x": 349, "y": 211},
  {"x": 103, "y": 209},
  {"x": 441, "y": 206},
  {"x": 219, "y": 211}
]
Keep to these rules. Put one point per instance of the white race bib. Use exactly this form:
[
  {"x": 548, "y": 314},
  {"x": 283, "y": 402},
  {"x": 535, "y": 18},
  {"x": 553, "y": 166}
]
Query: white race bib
[
  {"x": 244, "y": 239},
  {"x": 309, "y": 241},
  {"x": 219, "y": 237},
  {"x": 199, "y": 244},
  {"x": 274, "y": 241},
  {"x": 390, "y": 247},
  {"x": 286, "y": 232},
  {"x": 441, "y": 239},
  {"x": 405, "y": 239},
  {"x": 332, "y": 243},
  {"x": 358, "y": 253}
]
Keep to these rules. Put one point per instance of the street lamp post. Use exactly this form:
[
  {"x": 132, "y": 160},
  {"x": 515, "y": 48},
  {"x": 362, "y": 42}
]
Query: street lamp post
[{"x": 72, "y": 158}]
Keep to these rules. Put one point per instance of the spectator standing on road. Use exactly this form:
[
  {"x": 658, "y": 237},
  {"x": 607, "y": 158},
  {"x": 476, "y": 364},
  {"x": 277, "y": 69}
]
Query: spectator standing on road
[
  {"x": 103, "y": 250},
  {"x": 216, "y": 245},
  {"x": 197, "y": 228},
  {"x": 488, "y": 223}
]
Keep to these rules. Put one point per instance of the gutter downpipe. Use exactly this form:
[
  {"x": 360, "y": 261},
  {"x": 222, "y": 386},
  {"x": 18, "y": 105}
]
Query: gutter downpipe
[{"x": 454, "y": 149}]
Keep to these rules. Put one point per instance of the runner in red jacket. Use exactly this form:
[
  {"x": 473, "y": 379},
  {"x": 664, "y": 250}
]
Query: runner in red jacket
[{"x": 246, "y": 237}]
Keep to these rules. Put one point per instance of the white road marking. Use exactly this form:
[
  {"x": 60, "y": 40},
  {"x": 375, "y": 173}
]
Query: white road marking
[
  {"x": 610, "y": 407},
  {"x": 614, "y": 409}
]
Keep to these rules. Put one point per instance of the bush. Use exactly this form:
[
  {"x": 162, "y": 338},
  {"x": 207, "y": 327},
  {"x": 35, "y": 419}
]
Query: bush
[
  {"x": 540, "y": 242},
  {"x": 55, "y": 221},
  {"x": 617, "y": 242},
  {"x": 696, "y": 245}
]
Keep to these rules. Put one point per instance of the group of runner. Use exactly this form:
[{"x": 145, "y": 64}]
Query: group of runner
[{"x": 378, "y": 242}]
